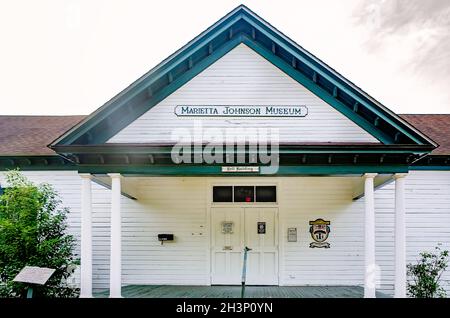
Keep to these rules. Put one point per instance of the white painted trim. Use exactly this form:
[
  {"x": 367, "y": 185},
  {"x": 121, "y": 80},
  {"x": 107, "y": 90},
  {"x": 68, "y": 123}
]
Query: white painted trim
[
  {"x": 277, "y": 238},
  {"x": 369, "y": 237},
  {"x": 208, "y": 230},
  {"x": 115, "y": 275},
  {"x": 86, "y": 236},
  {"x": 281, "y": 227},
  {"x": 400, "y": 237}
]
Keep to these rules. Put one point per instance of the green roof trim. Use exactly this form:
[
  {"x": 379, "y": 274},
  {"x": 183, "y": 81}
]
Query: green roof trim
[
  {"x": 242, "y": 26},
  {"x": 313, "y": 166},
  {"x": 36, "y": 163},
  {"x": 114, "y": 148},
  {"x": 430, "y": 168},
  {"x": 214, "y": 170}
]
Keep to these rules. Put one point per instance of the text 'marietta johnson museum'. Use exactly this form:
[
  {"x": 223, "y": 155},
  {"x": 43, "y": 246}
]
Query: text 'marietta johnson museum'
[{"x": 242, "y": 138}]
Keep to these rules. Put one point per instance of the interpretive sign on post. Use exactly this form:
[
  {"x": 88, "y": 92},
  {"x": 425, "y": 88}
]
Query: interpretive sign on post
[{"x": 34, "y": 275}]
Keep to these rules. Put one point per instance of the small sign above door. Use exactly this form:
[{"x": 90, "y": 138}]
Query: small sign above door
[
  {"x": 261, "y": 227},
  {"x": 240, "y": 169}
]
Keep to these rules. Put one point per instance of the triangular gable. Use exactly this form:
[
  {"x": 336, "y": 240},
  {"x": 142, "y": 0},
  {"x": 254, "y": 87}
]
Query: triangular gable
[
  {"x": 242, "y": 76},
  {"x": 243, "y": 26}
]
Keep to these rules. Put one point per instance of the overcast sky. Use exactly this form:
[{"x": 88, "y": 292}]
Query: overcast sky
[{"x": 72, "y": 56}]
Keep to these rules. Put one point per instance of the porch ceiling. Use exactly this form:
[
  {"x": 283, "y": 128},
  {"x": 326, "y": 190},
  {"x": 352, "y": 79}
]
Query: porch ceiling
[{"x": 131, "y": 184}]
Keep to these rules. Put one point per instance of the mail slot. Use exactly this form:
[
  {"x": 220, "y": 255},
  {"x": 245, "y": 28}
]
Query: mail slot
[{"x": 165, "y": 237}]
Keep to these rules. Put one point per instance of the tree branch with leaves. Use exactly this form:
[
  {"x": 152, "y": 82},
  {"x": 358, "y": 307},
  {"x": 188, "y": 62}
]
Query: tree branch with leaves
[
  {"x": 426, "y": 274},
  {"x": 33, "y": 232}
]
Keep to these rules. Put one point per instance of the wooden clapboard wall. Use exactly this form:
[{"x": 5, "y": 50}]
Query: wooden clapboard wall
[
  {"x": 180, "y": 206},
  {"x": 427, "y": 199},
  {"x": 242, "y": 77}
]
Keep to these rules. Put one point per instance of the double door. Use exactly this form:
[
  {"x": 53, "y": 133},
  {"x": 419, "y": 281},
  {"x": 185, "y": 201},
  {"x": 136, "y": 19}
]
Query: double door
[{"x": 234, "y": 228}]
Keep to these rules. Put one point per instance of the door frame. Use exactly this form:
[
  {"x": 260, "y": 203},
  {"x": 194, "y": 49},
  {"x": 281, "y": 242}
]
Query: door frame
[{"x": 240, "y": 181}]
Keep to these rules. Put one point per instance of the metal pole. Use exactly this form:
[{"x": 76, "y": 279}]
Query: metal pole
[
  {"x": 244, "y": 271},
  {"x": 30, "y": 292}
]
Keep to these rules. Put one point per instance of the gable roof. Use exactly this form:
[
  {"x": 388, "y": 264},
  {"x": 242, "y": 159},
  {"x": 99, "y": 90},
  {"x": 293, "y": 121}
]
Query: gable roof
[
  {"x": 435, "y": 126},
  {"x": 243, "y": 26},
  {"x": 30, "y": 135}
]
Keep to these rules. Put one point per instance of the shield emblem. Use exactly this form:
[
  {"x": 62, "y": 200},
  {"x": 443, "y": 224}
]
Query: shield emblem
[{"x": 319, "y": 230}]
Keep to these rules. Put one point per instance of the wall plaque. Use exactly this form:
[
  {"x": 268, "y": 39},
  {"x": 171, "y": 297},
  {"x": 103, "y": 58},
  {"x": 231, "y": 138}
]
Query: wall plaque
[
  {"x": 292, "y": 234},
  {"x": 319, "y": 230},
  {"x": 227, "y": 227}
]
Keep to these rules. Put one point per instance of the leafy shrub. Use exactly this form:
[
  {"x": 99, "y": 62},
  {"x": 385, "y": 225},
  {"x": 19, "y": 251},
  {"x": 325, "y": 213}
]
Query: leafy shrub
[
  {"x": 426, "y": 273},
  {"x": 33, "y": 233}
]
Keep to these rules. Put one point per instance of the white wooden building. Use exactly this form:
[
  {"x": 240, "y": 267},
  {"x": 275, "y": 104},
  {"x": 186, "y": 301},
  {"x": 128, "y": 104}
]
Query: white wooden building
[{"x": 354, "y": 191}]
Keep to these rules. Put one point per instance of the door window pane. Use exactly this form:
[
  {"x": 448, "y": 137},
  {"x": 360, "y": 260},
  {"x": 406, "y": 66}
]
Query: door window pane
[
  {"x": 222, "y": 194},
  {"x": 244, "y": 194},
  {"x": 266, "y": 194}
]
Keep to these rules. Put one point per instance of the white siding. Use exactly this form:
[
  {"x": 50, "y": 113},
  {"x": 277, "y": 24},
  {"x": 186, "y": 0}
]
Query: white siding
[
  {"x": 427, "y": 221},
  {"x": 242, "y": 77},
  {"x": 180, "y": 206},
  {"x": 173, "y": 205},
  {"x": 168, "y": 205},
  {"x": 307, "y": 199}
]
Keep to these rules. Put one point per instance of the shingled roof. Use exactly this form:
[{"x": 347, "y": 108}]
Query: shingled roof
[
  {"x": 435, "y": 126},
  {"x": 30, "y": 135}
]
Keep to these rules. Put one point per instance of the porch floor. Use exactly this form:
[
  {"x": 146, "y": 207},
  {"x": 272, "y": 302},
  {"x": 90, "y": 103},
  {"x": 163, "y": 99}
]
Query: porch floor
[{"x": 166, "y": 291}]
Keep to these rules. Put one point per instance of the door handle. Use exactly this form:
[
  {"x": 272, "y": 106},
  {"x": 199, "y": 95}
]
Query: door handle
[{"x": 228, "y": 248}]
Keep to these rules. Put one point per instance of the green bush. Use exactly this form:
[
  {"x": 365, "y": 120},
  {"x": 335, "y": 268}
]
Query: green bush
[
  {"x": 426, "y": 273},
  {"x": 33, "y": 233}
]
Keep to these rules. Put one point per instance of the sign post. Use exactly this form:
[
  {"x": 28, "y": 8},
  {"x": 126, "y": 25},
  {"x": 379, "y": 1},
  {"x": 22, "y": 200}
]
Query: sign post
[
  {"x": 34, "y": 276},
  {"x": 244, "y": 271}
]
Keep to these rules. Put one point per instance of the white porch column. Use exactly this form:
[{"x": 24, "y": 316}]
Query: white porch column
[
  {"x": 400, "y": 237},
  {"x": 369, "y": 243},
  {"x": 115, "y": 274},
  {"x": 86, "y": 236}
]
